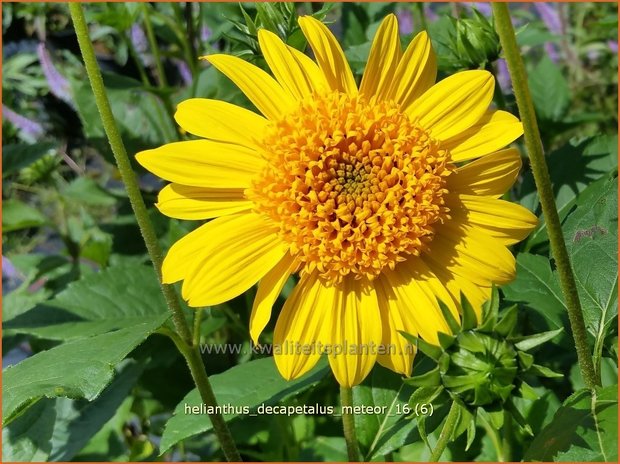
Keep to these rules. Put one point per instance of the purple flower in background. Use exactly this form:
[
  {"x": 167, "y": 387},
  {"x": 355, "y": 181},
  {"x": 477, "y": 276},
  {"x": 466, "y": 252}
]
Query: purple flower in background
[
  {"x": 503, "y": 76},
  {"x": 184, "y": 71},
  {"x": 140, "y": 44},
  {"x": 205, "y": 33},
  {"x": 482, "y": 7},
  {"x": 613, "y": 46},
  {"x": 59, "y": 86},
  {"x": 551, "y": 17},
  {"x": 405, "y": 21},
  {"x": 8, "y": 269},
  {"x": 429, "y": 12},
  {"x": 552, "y": 52},
  {"x": 30, "y": 130}
]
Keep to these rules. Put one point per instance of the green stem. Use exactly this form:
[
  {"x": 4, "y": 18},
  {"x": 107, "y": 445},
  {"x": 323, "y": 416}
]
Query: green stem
[
  {"x": 499, "y": 93},
  {"x": 182, "y": 337},
  {"x": 136, "y": 58},
  {"x": 492, "y": 432},
  {"x": 446, "y": 432},
  {"x": 150, "y": 34},
  {"x": 534, "y": 147},
  {"x": 348, "y": 424}
]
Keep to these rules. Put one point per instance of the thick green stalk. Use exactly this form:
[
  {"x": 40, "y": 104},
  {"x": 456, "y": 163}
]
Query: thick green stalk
[
  {"x": 348, "y": 424},
  {"x": 540, "y": 171},
  {"x": 446, "y": 432},
  {"x": 182, "y": 337}
]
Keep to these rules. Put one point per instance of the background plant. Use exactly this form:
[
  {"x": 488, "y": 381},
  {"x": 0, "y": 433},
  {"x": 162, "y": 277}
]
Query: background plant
[{"x": 75, "y": 278}]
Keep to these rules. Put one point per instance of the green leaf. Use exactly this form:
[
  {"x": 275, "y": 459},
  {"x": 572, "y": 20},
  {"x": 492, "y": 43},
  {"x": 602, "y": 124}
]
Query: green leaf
[
  {"x": 56, "y": 429},
  {"x": 19, "y": 156},
  {"x": 585, "y": 428},
  {"x": 543, "y": 371},
  {"x": 120, "y": 297},
  {"x": 246, "y": 385},
  {"x": 532, "y": 341},
  {"x": 386, "y": 431},
  {"x": 431, "y": 378},
  {"x": 549, "y": 89},
  {"x": 470, "y": 319},
  {"x": 18, "y": 215},
  {"x": 87, "y": 191},
  {"x": 591, "y": 233},
  {"x": 77, "y": 369},
  {"x": 453, "y": 324},
  {"x": 537, "y": 286},
  {"x": 432, "y": 351},
  {"x": 572, "y": 168},
  {"x": 142, "y": 118},
  {"x": 508, "y": 321}
]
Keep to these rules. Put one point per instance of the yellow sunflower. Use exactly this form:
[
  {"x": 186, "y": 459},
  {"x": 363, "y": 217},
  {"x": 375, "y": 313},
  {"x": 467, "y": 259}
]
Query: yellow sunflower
[{"x": 363, "y": 191}]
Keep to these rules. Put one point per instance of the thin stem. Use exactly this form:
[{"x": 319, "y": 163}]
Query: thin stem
[
  {"x": 136, "y": 58},
  {"x": 534, "y": 147},
  {"x": 161, "y": 74},
  {"x": 499, "y": 93},
  {"x": 348, "y": 424},
  {"x": 182, "y": 337},
  {"x": 492, "y": 432},
  {"x": 446, "y": 432}
]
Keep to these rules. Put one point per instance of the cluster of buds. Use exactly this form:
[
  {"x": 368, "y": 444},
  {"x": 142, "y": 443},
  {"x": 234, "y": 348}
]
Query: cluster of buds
[
  {"x": 479, "y": 369},
  {"x": 473, "y": 42}
]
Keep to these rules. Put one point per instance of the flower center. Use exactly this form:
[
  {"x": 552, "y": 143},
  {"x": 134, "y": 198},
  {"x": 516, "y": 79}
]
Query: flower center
[{"x": 354, "y": 184}]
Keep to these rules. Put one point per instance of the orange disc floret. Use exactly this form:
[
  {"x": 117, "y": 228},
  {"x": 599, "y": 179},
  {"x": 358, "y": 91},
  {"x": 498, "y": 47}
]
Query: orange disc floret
[{"x": 354, "y": 184}]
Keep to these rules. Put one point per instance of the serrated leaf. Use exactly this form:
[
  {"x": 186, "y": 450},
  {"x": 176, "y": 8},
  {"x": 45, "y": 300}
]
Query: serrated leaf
[
  {"x": 532, "y": 341},
  {"x": 118, "y": 297},
  {"x": 537, "y": 286},
  {"x": 77, "y": 369},
  {"x": 245, "y": 385},
  {"x": 549, "y": 88},
  {"x": 584, "y": 428}
]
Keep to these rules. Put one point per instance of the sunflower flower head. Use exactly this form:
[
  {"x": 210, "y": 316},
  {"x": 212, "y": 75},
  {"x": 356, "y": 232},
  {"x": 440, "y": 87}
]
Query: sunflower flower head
[{"x": 367, "y": 192}]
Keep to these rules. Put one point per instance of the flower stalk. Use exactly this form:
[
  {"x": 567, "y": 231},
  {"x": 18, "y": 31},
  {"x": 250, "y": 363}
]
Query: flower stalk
[
  {"x": 182, "y": 337},
  {"x": 348, "y": 424},
  {"x": 540, "y": 171}
]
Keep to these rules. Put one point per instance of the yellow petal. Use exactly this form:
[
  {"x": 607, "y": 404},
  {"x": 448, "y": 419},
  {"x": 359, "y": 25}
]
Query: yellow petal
[
  {"x": 491, "y": 176},
  {"x": 383, "y": 59},
  {"x": 182, "y": 255},
  {"x": 355, "y": 331},
  {"x": 399, "y": 353},
  {"x": 471, "y": 253},
  {"x": 329, "y": 55},
  {"x": 295, "y": 74},
  {"x": 494, "y": 131},
  {"x": 262, "y": 89},
  {"x": 416, "y": 295},
  {"x": 197, "y": 203},
  {"x": 508, "y": 222},
  {"x": 301, "y": 325},
  {"x": 237, "y": 251},
  {"x": 454, "y": 104},
  {"x": 269, "y": 288},
  {"x": 416, "y": 72},
  {"x": 455, "y": 284},
  {"x": 311, "y": 70},
  {"x": 203, "y": 163},
  {"x": 222, "y": 121}
]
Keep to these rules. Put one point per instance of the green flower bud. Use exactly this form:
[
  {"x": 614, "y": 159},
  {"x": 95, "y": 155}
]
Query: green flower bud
[{"x": 476, "y": 40}]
